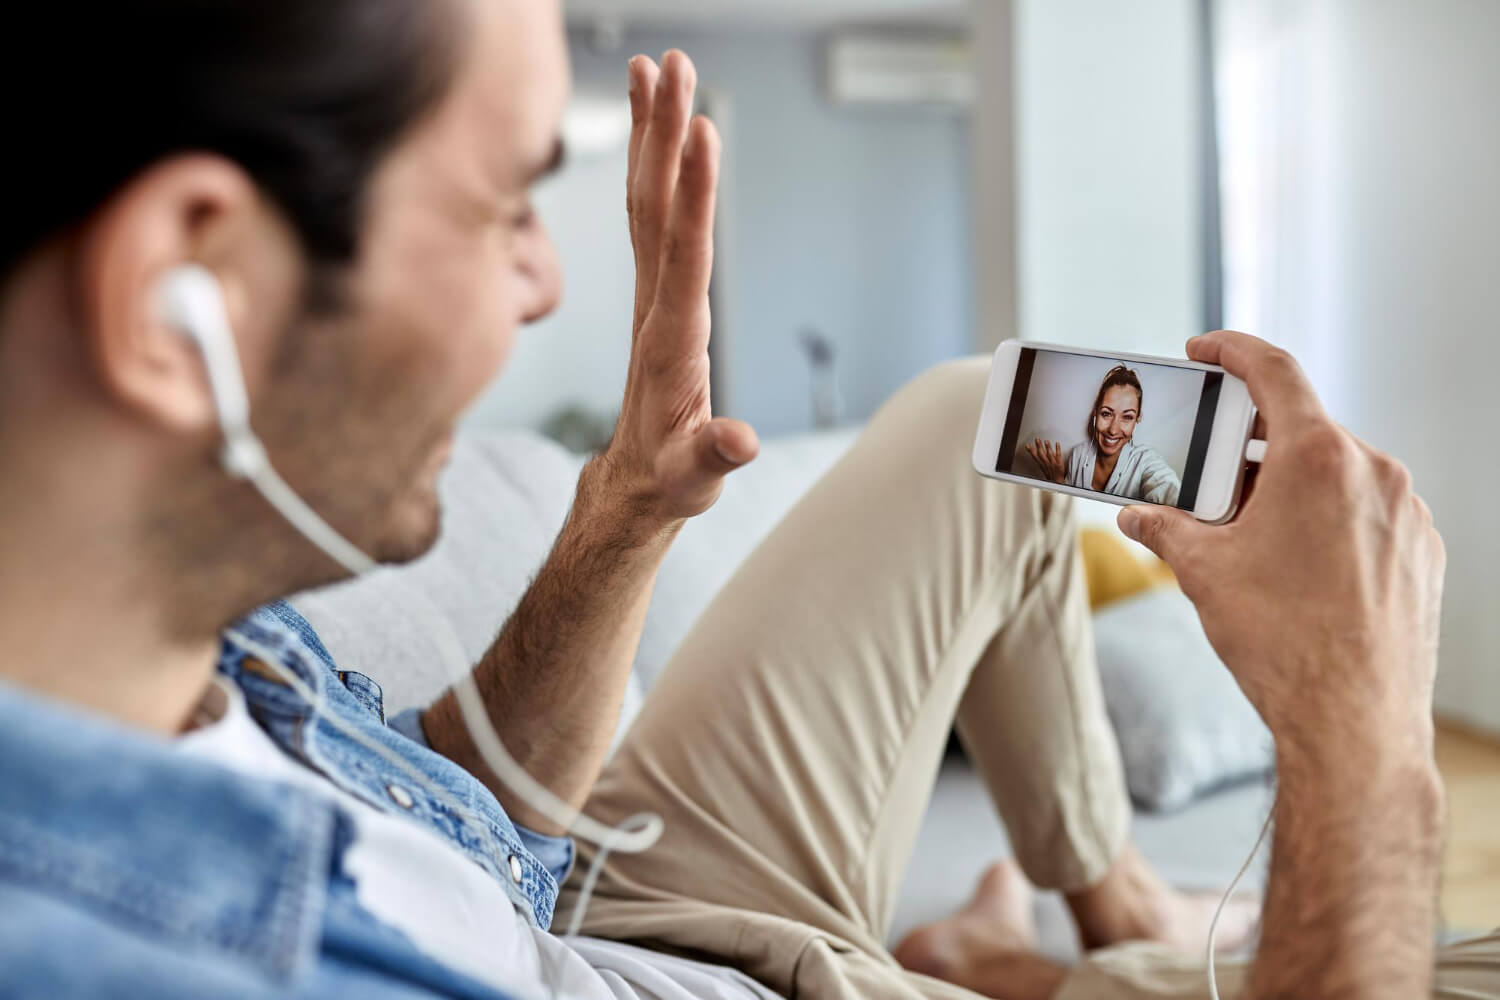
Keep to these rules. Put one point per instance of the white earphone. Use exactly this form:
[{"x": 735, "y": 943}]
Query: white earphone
[{"x": 191, "y": 300}]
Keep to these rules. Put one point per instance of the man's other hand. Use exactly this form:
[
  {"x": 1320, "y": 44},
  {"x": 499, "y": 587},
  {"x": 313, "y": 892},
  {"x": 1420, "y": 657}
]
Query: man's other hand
[
  {"x": 1323, "y": 596},
  {"x": 669, "y": 456}
]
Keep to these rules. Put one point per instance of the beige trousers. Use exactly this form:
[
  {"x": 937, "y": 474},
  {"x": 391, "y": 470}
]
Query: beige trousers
[{"x": 792, "y": 743}]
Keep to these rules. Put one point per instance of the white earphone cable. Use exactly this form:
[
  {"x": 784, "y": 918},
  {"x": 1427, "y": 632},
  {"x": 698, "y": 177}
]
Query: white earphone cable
[
  {"x": 1213, "y": 927},
  {"x": 193, "y": 301}
]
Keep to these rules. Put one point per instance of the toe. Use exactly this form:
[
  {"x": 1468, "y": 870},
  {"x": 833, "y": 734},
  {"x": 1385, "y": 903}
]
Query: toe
[
  {"x": 928, "y": 951},
  {"x": 1004, "y": 904}
]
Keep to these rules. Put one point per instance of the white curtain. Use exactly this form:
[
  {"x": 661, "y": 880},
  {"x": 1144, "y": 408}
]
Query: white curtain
[
  {"x": 1272, "y": 95},
  {"x": 1360, "y": 151}
]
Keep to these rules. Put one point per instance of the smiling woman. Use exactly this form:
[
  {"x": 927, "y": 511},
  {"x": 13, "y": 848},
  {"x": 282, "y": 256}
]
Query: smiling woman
[{"x": 1109, "y": 460}]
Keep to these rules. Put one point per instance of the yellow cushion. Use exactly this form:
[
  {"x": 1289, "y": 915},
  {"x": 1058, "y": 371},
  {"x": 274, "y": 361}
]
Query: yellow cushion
[{"x": 1114, "y": 571}]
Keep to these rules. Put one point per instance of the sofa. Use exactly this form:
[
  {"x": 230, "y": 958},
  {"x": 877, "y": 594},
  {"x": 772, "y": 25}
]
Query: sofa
[{"x": 506, "y": 494}]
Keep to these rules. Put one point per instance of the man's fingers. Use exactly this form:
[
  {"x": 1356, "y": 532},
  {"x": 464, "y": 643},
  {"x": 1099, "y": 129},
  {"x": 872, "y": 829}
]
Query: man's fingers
[
  {"x": 1277, "y": 384},
  {"x": 687, "y": 260},
  {"x": 655, "y": 183},
  {"x": 1166, "y": 531},
  {"x": 643, "y": 75}
]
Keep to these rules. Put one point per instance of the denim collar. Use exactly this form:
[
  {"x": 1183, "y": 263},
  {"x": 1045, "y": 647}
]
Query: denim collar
[{"x": 122, "y": 824}]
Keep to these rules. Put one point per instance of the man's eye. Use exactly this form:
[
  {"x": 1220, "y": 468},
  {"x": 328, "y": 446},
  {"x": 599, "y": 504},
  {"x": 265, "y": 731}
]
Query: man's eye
[{"x": 524, "y": 218}]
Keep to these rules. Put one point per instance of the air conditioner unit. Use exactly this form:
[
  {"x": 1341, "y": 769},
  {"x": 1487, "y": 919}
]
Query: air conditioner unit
[{"x": 876, "y": 69}]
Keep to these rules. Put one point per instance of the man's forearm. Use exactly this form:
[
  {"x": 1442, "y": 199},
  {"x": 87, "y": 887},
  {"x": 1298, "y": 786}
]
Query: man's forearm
[
  {"x": 1350, "y": 906},
  {"x": 555, "y": 678}
]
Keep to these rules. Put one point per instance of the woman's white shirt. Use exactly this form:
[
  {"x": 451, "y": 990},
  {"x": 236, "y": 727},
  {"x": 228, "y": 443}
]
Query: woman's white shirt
[{"x": 1140, "y": 473}]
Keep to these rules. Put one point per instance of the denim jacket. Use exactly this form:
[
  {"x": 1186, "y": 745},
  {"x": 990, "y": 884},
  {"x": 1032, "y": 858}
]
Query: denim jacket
[{"x": 130, "y": 869}]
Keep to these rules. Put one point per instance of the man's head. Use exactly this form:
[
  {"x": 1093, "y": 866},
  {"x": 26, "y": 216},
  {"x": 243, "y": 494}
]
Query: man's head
[{"x": 356, "y": 173}]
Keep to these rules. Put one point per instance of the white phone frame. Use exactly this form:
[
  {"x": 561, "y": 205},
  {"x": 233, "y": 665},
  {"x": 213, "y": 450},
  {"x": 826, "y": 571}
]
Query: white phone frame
[{"x": 1223, "y": 474}]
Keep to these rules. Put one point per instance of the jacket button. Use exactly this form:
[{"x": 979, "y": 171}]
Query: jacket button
[
  {"x": 400, "y": 796},
  {"x": 515, "y": 870}
]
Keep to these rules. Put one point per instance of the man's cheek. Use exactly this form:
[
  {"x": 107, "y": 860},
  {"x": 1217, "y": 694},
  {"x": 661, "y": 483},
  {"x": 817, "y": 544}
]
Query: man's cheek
[{"x": 491, "y": 342}]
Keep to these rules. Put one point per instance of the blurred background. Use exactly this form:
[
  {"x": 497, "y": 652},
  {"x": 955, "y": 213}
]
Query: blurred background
[{"x": 908, "y": 181}]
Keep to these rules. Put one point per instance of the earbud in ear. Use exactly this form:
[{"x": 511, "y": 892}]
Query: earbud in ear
[{"x": 191, "y": 300}]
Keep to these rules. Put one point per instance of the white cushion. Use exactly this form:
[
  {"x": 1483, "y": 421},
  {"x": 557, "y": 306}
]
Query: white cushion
[
  {"x": 505, "y": 497},
  {"x": 1184, "y": 726}
]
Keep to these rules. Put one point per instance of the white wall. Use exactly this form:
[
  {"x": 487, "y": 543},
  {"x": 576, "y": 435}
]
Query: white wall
[
  {"x": 850, "y": 220},
  {"x": 760, "y": 13},
  {"x": 1087, "y": 186},
  {"x": 1108, "y": 179},
  {"x": 994, "y": 175}
]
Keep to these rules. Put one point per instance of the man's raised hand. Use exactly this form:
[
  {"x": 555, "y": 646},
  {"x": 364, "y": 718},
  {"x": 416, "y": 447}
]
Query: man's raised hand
[{"x": 669, "y": 454}]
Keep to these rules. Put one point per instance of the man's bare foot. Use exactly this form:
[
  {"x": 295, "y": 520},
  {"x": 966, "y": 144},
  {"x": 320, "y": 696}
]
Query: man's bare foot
[
  {"x": 1134, "y": 904},
  {"x": 989, "y": 946}
]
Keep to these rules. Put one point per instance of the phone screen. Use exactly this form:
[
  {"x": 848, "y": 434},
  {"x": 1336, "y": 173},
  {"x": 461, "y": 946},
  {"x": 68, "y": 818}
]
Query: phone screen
[{"x": 1133, "y": 430}]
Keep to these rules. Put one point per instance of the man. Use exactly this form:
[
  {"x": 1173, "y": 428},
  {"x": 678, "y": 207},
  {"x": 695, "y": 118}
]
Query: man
[{"x": 178, "y": 819}]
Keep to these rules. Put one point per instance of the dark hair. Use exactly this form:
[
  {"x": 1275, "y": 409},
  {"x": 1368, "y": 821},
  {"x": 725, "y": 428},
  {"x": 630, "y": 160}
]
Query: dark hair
[
  {"x": 306, "y": 95},
  {"x": 1118, "y": 375}
]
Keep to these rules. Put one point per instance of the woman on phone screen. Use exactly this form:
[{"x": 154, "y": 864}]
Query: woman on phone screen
[{"x": 1110, "y": 461}]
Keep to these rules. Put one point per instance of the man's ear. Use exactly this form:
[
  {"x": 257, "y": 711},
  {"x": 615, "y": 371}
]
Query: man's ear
[{"x": 196, "y": 209}]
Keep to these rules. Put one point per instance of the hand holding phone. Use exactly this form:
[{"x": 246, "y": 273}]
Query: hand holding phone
[
  {"x": 1117, "y": 427},
  {"x": 1323, "y": 596}
]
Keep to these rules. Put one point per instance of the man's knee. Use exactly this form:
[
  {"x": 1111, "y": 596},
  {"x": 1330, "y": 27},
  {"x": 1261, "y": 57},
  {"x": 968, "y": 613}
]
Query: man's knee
[
  {"x": 961, "y": 377},
  {"x": 949, "y": 396},
  {"x": 945, "y": 402}
]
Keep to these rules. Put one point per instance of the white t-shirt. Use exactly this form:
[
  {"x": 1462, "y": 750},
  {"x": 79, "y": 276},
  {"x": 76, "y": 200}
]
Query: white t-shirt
[{"x": 451, "y": 909}]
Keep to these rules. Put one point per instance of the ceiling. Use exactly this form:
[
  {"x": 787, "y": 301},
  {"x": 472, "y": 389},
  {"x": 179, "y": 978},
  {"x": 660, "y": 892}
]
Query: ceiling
[{"x": 769, "y": 13}]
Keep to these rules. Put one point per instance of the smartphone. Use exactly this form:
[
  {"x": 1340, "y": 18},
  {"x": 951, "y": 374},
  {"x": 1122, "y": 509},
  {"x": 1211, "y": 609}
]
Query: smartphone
[{"x": 1123, "y": 428}]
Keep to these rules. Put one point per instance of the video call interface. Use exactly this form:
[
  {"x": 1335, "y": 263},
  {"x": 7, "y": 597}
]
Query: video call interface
[{"x": 1133, "y": 430}]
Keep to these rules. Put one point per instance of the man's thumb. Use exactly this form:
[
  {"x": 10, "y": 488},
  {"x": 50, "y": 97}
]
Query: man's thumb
[
  {"x": 1160, "y": 529},
  {"x": 726, "y": 444}
]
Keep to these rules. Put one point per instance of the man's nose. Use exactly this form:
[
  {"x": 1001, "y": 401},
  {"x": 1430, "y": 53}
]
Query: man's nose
[{"x": 541, "y": 272}]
